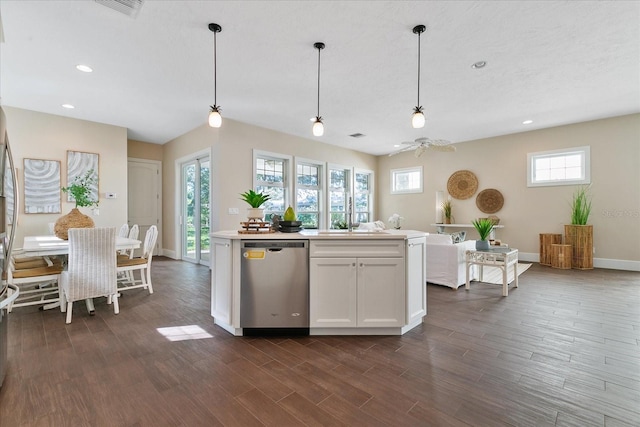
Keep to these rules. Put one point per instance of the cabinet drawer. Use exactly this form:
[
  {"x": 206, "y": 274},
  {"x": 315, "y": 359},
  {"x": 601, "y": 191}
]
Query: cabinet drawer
[{"x": 387, "y": 248}]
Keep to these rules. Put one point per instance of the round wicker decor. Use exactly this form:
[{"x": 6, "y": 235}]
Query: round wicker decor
[
  {"x": 489, "y": 200},
  {"x": 462, "y": 184}
]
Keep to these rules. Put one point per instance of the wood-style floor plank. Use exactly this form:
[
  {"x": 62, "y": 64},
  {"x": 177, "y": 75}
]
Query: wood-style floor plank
[{"x": 563, "y": 349}]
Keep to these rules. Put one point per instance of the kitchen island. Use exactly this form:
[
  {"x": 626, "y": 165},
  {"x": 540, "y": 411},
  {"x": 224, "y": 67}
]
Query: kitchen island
[{"x": 360, "y": 282}]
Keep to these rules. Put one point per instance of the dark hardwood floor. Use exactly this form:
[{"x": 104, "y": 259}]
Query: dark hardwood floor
[{"x": 563, "y": 349}]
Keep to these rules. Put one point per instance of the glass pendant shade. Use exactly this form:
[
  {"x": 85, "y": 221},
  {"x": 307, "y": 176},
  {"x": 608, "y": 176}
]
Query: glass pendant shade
[
  {"x": 417, "y": 120},
  {"x": 318, "y": 127},
  {"x": 215, "y": 119}
]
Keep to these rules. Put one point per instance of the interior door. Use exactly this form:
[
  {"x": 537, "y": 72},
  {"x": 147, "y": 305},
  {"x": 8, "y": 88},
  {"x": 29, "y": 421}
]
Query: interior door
[
  {"x": 144, "y": 197},
  {"x": 196, "y": 210}
]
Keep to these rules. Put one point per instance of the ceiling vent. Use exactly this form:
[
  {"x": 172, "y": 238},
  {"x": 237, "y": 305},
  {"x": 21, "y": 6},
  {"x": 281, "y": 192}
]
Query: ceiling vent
[
  {"x": 128, "y": 7},
  {"x": 356, "y": 135}
]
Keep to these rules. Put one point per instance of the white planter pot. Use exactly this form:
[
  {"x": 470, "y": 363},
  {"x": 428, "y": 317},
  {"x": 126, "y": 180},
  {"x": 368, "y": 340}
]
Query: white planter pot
[{"x": 255, "y": 213}]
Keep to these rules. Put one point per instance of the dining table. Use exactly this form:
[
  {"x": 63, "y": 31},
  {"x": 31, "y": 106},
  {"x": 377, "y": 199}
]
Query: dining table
[{"x": 49, "y": 245}]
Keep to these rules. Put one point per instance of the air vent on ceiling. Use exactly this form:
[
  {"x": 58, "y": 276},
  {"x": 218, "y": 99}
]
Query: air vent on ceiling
[
  {"x": 357, "y": 135},
  {"x": 128, "y": 7}
]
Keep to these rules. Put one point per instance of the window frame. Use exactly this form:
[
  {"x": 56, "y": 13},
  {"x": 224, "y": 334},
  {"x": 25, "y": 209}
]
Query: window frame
[
  {"x": 348, "y": 190},
  {"x": 583, "y": 151},
  {"x": 287, "y": 173},
  {"x": 320, "y": 187},
  {"x": 371, "y": 194},
  {"x": 394, "y": 173}
]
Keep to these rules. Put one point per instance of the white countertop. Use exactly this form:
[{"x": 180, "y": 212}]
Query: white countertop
[{"x": 321, "y": 234}]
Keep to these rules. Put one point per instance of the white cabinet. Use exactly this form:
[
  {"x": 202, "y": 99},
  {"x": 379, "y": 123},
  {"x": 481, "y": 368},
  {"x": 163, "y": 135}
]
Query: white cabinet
[
  {"x": 221, "y": 280},
  {"x": 366, "y": 289},
  {"x": 416, "y": 258}
]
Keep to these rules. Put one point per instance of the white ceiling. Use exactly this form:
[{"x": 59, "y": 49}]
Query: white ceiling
[{"x": 554, "y": 62}]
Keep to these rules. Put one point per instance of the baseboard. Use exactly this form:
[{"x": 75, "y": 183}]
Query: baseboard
[
  {"x": 612, "y": 264},
  {"x": 168, "y": 253}
]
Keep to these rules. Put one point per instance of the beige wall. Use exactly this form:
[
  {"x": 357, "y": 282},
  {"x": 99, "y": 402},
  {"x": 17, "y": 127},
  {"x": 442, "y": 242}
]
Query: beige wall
[
  {"x": 44, "y": 136},
  {"x": 232, "y": 156},
  {"x": 144, "y": 150},
  {"x": 500, "y": 163}
]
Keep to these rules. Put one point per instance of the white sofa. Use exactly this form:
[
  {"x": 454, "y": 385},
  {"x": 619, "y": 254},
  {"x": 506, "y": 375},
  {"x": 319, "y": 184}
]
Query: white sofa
[{"x": 446, "y": 261}]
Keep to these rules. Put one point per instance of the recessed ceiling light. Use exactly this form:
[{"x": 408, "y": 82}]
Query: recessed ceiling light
[
  {"x": 396, "y": 145},
  {"x": 69, "y": 106},
  {"x": 84, "y": 68},
  {"x": 479, "y": 64},
  {"x": 527, "y": 122}
]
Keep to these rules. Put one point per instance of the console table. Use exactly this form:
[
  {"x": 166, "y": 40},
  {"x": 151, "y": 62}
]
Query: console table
[
  {"x": 502, "y": 258},
  {"x": 441, "y": 228}
]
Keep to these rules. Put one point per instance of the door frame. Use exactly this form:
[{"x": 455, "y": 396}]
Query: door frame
[{"x": 178, "y": 195}]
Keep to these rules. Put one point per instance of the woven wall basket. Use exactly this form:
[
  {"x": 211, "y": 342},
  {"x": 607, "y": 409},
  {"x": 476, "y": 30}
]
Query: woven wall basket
[
  {"x": 489, "y": 200},
  {"x": 462, "y": 184},
  {"x": 74, "y": 219}
]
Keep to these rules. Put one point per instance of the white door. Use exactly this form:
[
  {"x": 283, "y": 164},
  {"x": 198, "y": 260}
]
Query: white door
[
  {"x": 144, "y": 197},
  {"x": 195, "y": 210}
]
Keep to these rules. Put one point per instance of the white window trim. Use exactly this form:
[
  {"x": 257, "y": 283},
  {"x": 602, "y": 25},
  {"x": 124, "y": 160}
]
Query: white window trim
[
  {"x": 348, "y": 190},
  {"x": 585, "y": 151},
  {"x": 321, "y": 186},
  {"x": 372, "y": 191},
  {"x": 288, "y": 186},
  {"x": 395, "y": 172}
]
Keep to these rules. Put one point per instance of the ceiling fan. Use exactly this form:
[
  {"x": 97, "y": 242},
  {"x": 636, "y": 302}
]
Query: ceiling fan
[{"x": 420, "y": 145}]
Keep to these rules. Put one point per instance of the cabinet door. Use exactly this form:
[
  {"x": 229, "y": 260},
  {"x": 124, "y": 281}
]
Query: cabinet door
[
  {"x": 332, "y": 292},
  {"x": 416, "y": 279},
  {"x": 381, "y": 295},
  {"x": 221, "y": 280}
]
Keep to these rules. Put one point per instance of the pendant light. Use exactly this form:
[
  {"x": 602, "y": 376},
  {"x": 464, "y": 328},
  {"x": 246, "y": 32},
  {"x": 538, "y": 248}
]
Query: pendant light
[
  {"x": 417, "y": 119},
  {"x": 215, "y": 119},
  {"x": 318, "y": 126}
]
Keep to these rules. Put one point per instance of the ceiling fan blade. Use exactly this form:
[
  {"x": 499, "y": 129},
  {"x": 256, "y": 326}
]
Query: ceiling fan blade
[
  {"x": 409, "y": 143},
  {"x": 448, "y": 148},
  {"x": 420, "y": 150},
  {"x": 402, "y": 151}
]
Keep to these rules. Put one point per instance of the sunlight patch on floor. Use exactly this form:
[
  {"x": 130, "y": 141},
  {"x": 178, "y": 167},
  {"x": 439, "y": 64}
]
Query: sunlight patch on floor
[{"x": 183, "y": 333}]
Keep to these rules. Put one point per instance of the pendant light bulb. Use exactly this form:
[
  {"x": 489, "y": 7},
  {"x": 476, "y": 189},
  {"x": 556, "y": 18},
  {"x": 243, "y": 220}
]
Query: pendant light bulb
[
  {"x": 215, "y": 119},
  {"x": 318, "y": 127},
  {"x": 417, "y": 119}
]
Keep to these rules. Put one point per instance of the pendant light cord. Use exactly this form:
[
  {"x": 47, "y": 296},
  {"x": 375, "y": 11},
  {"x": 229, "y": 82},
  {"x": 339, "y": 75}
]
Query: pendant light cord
[
  {"x": 318, "y": 115},
  {"x": 215, "y": 80},
  {"x": 418, "y": 104}
]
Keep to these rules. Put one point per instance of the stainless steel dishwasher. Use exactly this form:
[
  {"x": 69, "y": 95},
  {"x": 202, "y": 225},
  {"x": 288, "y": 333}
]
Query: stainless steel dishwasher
[{"x": 274, "y": 285}]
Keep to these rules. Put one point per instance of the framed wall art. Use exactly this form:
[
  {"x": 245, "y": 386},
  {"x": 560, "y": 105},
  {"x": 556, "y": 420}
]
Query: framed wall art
[
  {"x": 78, "y": 164},
  {"x": 41, "y": 186}
]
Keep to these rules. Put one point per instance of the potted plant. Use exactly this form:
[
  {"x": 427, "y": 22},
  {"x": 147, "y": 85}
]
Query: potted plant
[
  {"x": 446, "y": 210},
  {"x": 484, "y": 227},
  {"x": 81, "y": 192},
  {"x": 255, "y": 200},
  {"x": 579, "y": 234}
]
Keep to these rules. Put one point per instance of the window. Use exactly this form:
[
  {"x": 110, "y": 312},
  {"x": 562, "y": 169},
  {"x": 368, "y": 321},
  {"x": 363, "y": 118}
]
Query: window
[
  {"x": 308, "y": 193},
  {"x": 407, "y": 180},
  {"x": 559, "y": 167},
  {"x": 363, "y": 195},
  {"x": 271, "y": 177},
  {"x": 339, "y": 188}
]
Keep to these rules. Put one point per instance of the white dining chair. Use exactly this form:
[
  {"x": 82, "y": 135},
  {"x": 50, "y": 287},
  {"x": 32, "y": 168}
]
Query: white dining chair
[
  {"x": 91, "y": 268},
  {"x": 141, "y": 264},
  {"x": 132, "y": 233},
  {"x": 37, "y": 279},
  {"x": 124, "y": 230}
]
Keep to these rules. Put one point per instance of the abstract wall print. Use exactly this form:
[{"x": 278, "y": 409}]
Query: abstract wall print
[
  {"x": 41, "y": 186},
  {"x": 78, "y": 164}
]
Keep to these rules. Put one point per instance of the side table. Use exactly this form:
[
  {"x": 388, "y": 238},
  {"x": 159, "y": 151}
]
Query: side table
[{"x": 502, "y": 258}]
